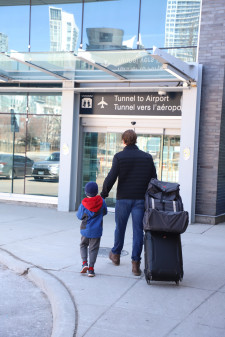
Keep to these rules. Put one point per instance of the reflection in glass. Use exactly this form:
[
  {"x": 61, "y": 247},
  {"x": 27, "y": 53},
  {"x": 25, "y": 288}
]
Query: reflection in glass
[
  {"x": 99, "y": 149},
  {"x": 114, "y": 25},
  {"x": 151, "y": 144},
  {"x": 38, "y": 104},
  {"x": 45, "y": 105},
  {"x": 30, "y": 142},
  {"x": 171, "y": 156},
  {"x": 6, "y": 140},
  {"x": 152, "y": 24},
  {"x": 132, "y": 64},
  {"x": 171, "y": 23},
  {"x": 98, "y": 152},
  {"x": 3, "y": 42},
  {"x": 12, "y": 68},
  {"x": 13, "y": 163},
  {"x": 16, "y": 102},
  {"x": 63, "y": 30},
  {"x": 185, "y": 54},
  {"x": 182, "y": 27},
  {"x": 43, "y": 146},
  {"x": 59, "y": 29},
  {"x": 14, "y": 28},
  {"x": 104, "y": 38}
]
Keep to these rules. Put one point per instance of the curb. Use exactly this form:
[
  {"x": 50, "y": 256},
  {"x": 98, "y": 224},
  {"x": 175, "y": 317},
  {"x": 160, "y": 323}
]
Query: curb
[
  {"x": 13, "y": 263},
  {"x": 63, "y": 308}
]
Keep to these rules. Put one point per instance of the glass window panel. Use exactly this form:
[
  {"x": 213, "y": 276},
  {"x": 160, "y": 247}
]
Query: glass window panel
[
  {"x": 171, "y": 24},
  {"x": 14, "y": 28},
  {"x": 86, "y": 65},
  {"x": 43, "y": 147},
  {"x": 171, "y": 156},
  {"x": 13, "y": 163},
  {"x": 132, "y": 64},
  {"x": 12, "y": 67},
  {"x": 151, "y": 144},
  {"x": 60, "y": 27},
  {"x": 114, "y": 25},
  {"x": 21, "y": 165},
  {"x": 185, "y": 54},
  {"x": 45, "y": 105},
  {"x": 13, "y": 103},
  {"x": 60, "y": 63},
  {"x": 152, "y": 25},
  {"x": 31, "y": 140},
  {"x": 6, "y": 150}
]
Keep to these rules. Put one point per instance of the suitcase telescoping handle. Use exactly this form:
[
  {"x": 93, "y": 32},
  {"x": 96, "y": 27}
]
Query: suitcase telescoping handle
[{"x": 153, "y": 205}]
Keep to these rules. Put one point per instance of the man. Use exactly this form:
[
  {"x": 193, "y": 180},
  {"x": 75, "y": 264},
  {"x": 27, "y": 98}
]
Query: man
[{"x": 134, "y": 170}]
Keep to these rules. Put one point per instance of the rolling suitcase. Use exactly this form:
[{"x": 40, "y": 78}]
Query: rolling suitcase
[{"x": 163, "y": 257}]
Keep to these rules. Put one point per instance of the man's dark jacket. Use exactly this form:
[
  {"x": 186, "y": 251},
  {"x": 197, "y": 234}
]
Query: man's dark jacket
[{"x": 134, "y": 169}]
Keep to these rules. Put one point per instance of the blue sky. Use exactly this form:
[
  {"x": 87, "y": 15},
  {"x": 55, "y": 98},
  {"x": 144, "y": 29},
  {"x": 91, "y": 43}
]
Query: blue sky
[{"x": 122, "y": 14}]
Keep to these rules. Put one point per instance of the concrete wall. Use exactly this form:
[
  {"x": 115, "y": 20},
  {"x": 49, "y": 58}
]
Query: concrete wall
[{"x": 210, "y": 196}]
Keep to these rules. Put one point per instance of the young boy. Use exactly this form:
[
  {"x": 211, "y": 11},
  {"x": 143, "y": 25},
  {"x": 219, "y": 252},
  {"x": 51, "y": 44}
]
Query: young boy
[{"x": 91, "y": 212}]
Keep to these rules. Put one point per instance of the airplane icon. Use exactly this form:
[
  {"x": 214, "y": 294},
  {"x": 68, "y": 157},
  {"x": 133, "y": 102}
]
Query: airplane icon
[{"x": 102, "y": 103}]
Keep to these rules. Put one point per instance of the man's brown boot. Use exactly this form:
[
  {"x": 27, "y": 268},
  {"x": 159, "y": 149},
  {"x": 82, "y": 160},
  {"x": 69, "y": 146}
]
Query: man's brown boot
[
  {"x": 115, "y": 258},
  {"x": 136, "y": 268}
]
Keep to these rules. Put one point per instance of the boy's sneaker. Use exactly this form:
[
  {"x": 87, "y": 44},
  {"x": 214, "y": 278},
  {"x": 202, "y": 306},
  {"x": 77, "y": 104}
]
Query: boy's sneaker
[
  {"x": 91, "y": 272},
  {"x": 84, "y": 268}
]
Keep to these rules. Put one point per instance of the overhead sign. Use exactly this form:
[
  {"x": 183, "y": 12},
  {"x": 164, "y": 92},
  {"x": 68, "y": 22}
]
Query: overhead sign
[{"x": 143, "y": 104}]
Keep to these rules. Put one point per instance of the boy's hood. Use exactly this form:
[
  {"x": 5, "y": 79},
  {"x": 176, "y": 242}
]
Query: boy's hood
[{"x": 93, "y": 204}]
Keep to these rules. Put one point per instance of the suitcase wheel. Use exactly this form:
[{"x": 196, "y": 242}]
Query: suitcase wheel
[{"x": 177, "y": 283}]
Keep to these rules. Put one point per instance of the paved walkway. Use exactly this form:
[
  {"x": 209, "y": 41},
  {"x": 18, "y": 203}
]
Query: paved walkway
[
  {"x": 44, "y": 244},
  {"x": 24, "y": 309}
]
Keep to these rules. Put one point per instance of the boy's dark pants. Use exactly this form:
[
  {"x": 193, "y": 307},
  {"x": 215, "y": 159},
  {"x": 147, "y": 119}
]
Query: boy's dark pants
[{"x": 93, "y": 244}]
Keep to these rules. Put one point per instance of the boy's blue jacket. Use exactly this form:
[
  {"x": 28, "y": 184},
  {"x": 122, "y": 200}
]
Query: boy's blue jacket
[{"x": 91, "y": 212}]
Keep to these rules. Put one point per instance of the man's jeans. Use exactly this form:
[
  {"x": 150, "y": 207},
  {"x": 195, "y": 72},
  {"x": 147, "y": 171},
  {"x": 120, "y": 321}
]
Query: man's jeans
[{"x": 124, "y": 208}]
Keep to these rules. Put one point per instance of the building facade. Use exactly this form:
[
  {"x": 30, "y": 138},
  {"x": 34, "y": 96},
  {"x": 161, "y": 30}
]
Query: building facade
[
  {"x": 63, "y": 30},
  {"x": 3, "y": 42},
  {"x": 182, "y": 28},
  {"x": 71, "y": 86}
]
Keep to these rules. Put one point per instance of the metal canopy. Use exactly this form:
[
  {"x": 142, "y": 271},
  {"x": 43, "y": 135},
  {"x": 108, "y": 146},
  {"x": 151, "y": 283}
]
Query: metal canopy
[{"x": 96, "y": 66}]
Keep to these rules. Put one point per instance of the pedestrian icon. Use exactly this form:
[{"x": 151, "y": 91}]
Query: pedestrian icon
[{"x": 86, "y": 103}]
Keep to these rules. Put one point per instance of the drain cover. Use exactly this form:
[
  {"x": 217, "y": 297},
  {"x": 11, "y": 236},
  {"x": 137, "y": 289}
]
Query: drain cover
[{"x": 104, "y": 252}]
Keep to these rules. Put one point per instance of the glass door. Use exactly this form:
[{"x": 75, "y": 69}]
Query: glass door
[
  {"x": 170, "y": 158},
  {"x": 99, "y": 149}
]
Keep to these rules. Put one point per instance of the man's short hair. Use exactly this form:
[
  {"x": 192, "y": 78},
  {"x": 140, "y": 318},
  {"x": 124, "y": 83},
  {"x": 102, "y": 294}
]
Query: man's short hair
[{"x": 129, "y": 137}]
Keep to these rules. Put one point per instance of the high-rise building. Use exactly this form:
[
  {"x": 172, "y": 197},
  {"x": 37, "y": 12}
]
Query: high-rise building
[
  {"x": 3, "y": 42},
  {"x": 63, "y": 30},
  {"x": 181, "y": 29}
]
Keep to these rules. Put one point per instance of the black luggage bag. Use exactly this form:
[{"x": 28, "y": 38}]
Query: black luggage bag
[
  {"x": 164, "y": 208},
  {"x": 163, "y": 257}
]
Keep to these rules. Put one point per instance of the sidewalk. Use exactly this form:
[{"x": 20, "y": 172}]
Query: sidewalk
[
  {"x": 44, "y": 244},
  {"x": 24, "y": 310}
]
